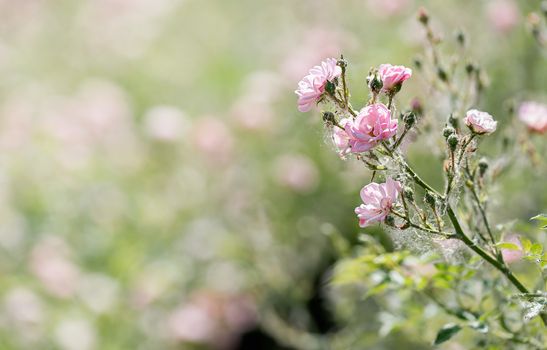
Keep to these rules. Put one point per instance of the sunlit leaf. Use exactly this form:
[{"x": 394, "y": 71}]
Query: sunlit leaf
[
  {"x": 542, "y": 218},
  {"x": 507, "y": 245},
  {"x": 526, "y": 244},
  {"x": 536, "y": 249}
]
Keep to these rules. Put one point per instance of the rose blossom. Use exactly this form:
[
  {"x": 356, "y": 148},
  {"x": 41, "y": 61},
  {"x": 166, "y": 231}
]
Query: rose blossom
[
  {"x": 312, "y": 86},
  {"x": 534, "y": 115},
  {"x": 373, "y": 124},
  {"x": 393, "y": 77},
  {"x": 480, "y": 122},
  {"x": 378, "y": 200}
]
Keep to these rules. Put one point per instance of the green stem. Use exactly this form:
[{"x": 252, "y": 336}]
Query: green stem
[
  {"x": 492, "y": 261},
  {"x": 398, "y": 142}
]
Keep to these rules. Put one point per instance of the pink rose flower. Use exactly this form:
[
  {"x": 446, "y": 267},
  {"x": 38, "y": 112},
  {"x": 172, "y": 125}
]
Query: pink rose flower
[
  {"x": 534, "y": 115},
  {"x": 510, "y": 255},
  {"x": 378, "y": 200},
  {"x": 312, "y": 86},
  {"x": 393, "y": 77},
  {"x": 341, "y": 138},
  {"x": 372, "y": 124},
  {"x": 480, "y": 122}
]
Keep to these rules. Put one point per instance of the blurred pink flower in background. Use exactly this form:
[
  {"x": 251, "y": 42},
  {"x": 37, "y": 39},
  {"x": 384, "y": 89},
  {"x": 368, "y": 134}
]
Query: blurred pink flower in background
[
  {"x": 314, "y": 45},
  {"x": 25, "y": 311},
  {"x": 312, "y": 86},
  {"x": 17, "y": 120},
  {"x": 50, "y": 263},
  {"x": 75, "y": 334},
  {"x": 511, "y": 255},
  {"x": 378, "y": 199},
  {"x": 534, "y": 115},
  {"x": 372, "y": 125},
  {"x": 212, "y": 137},
  {"x": 387, "y": 8},
  {"x": 165, "y": 123},
  {"x": 503, "y": 14},
  {"x": 253, "y": 113},
  {"x": 297, "y": 172},
  {"x": 212, "y": 318},
  {"x": 97, "y": 116},
  {"x": 254, "y": 109},
  {"x": 480, "y": 122},
  {"x": 393, "y": 76},
  {"x": 413, "y": 266},
  {"x": 122, "y": 27}
]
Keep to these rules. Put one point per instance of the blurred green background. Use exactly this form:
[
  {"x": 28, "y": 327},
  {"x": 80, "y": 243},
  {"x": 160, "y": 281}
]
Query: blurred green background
[{"x": 159, "y": 189}]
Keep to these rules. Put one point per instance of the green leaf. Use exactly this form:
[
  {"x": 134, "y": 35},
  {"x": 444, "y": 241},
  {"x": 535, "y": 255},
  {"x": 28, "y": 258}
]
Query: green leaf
[
  {"x": 536, "y": 249},
  {"x": 448, "y": 331},
  {"x": 526, "y": 244},
  {"x": 506, "y": 245},
  {"x": 542, "y": 218}
]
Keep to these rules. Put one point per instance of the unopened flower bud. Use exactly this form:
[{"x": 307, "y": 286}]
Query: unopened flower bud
[
  {"x": 470, "y": 68},
  {"x": 330, "y": 87},
  {"x": 460, "y": 37},
  {"x": 408, "y": 193},
  {"x": 429, "y": 198},
  {"x": 342, "y": 63},
  {"x": 448, "y": 131},
  {"x": 441, "y": 73},
  {"x": 390, "y": 221},
  {"x": 423, "y": 17},
  {"x": 505, "y": 142},
  {"x": 410, "y": 119},
  {"x": 418, "y": 63},
  {"x": 375, "y": 83},
  {"x": 483, "y": 166},
  {"x": 328, "y": 117},
  {"x": 453, "y": 121},
  {"x": 452, "y": 142}
]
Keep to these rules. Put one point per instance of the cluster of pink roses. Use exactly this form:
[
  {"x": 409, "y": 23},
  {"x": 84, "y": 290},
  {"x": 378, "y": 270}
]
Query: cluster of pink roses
[
  {"x": 364, "y": 130},
  {"x": 373, "y": 123}
]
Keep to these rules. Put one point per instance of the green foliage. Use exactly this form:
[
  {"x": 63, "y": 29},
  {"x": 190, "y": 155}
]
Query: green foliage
[
  {"x": 446, "y": 333},
  {"x": 542, "y": 220}
]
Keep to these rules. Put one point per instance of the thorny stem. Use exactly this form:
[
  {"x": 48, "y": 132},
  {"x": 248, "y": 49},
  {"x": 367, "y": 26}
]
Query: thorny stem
[
  {"x": 485, "y": 220},
  {"x": 344, "y": 86},
  {"x": 398, "y": 142},
  {"x": 464, "y": 147},
  {"x": 343, "y": 105},
  {"x": 372, "y": 166},
  {"x": 451, "y": 175},
  {"x": 411, "y": 224}
]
